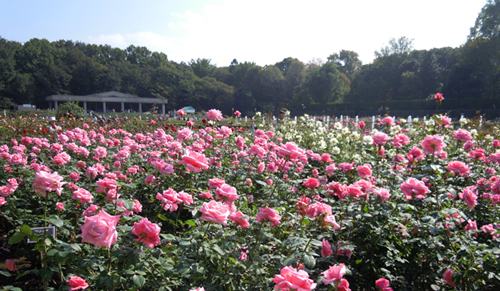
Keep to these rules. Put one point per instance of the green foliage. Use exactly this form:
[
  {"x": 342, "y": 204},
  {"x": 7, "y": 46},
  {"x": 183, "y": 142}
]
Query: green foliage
[{"x": 70, "y": 109}]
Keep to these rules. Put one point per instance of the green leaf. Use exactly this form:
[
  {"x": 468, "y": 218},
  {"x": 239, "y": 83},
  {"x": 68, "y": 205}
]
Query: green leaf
[
  {"x": 76, "y": 247},
  {"x": 56, "y": 221},
  {"x": 190, "y": 222},
  {"x": 306, "y": 221},
  {"x": 16, "y": 238},
  {"x": 218, "y": 250},
  {"x": 128, "y": 204},
  {"x": 46, "y": 274},
  {"x": 5, "y": 273},
  {"x": 309, "y": 261},
  {"x": 138, "y": 280},
  {"x": 26, "y": 229},
  {"x": 162, "y": 217},
  {"x": 52, "y": 252}
]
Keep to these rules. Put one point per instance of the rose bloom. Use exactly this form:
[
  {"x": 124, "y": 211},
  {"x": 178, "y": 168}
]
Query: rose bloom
[
  {"x": 77, "y": 283},
  {"x": 90, "y": 210},
  {"x": 462, "y": 135},
  {"x": 469, "y": 196},
  {"x": 311, "y": 183},
  {"x": 433, "y": 144},
  {"x": 291, "y": 150},
  {"x": 194, "y": 161},
  {"x": 59, "y": 206},
  {"x": 147, "y": 232},
  {"x": 334, "y": 273},
  {"x": 382, "y": 193},
  {"x": 100, "y": 229},
  {"x": 326, "y": 249},
  {"x": 46, "y": 182},
  {"x": 181, "y": 112},
  {"x": 495, "y": 157},
  {"x": 2, "y": 201},
  {"x": 237, "y": 113},
  {"x": 215, "y": 211},
  {"x": 268, "y": 214},
  {"x": 226, "y": 193},
  {"x": 380, "y": 138},
  {"x": 439, "y": 97},
  {"x": 291, "y": 278},
  {"x": 447, "y": 278},
  {"x": 11, "y": 265},
  {"x": 457, "y": 167},
  {"x": 236, "y": 217},
  {"x": 83, "y": 195},
  {"x": 383, "y": 284},
  {"x": 365, "y": 170},
  {"x": 343, "y": 285},
  {"x": 388, "y": 120},
  {"x": 214, "y": 114},
  {"x": 413, "y": 188}
]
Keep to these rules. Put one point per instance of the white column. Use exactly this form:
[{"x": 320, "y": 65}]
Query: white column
[
  {"x": 140, "y": 107},
  {"x": 104, "y": 106},
  {"x": 123, "y": 106},
  {"x": 163, "y": 108},
  {"x": 55, "y": 107},
  {"x": 85, "y": 105}
]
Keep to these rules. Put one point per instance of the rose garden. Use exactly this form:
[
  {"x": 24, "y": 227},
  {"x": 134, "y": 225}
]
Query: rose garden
[{"x": 229, "y": 205}]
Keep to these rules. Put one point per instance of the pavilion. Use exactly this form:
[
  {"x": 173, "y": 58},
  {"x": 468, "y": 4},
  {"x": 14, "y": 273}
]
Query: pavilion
[{"x": 109, "y": 101}]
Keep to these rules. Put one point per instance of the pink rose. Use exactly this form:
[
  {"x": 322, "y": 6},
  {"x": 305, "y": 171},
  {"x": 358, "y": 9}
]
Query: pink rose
[
  {"x": 147, "y": 232},
  {"x": 59, "y": 206},
  {"x": 388, "y": 120},
  {"x": 291, "y": 278},
  {"x": 469, "y": 195},
  {"x": 226, "y": 193},
  {"x": 433, "y": 144},
  {"x": 237, "y": 113},
  {"x": 291, "y": 150},
  {"x": 100, "y": 229},
  {"x": 343, "y": 285},
  {"x": 380, "y": 138},
  {"x": 214, "y": 114},
  {"x": 414, "y": 188},
  {"x": 77, "y": 283},
  {"x": 383, "y": 284},
  {"x": 311, "y": 183},
  {"x": 457, "y": 167},
  {"x": 365, "y": 170},
  {"x": 2, "y": 201},
  {"x": 215, "y": 211},
  {"x": 46, "y": 182},
  {"x": 462, "y": 135},
  {"x": 90, "y": 210},
  {"x": 238, "y": 217},
  {"x": 382, "y": 193},
  {"x": 83, "y": 195},
  {"x": 268, "y": 214},
  {"x": 11, "y": 265},
  {"x": 194, "y": 161},
  {"x": 334, "y": 273},
  {"x": 181, "y": 112}
]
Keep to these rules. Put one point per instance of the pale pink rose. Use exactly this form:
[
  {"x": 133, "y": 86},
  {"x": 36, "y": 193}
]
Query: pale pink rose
[
  {"x": 215, "y": 183},
  {"x": 489, "y": 228},
  {"x": 59, "y": 206},
  {"x": 11, "y": 265},
  {"x": 99, "y": 153},
  {"x": 46, "y": 182},
  {"x": 291, "y": 150},
  {"x": 330, "y": 169},
  {"x": 149, "y": 180},
  {"x": 383, "y": 284},
  {"x": 194, "y": 161},
  {"x": 365, "y": 170},
  {"x": 471, "y": 225},
  {"x": 206, "y": 195},
  {"x": 495, "y": 157},
  {"x": 214, "y": 114},
  {"x": 106, "y": 184},
  {"x": 326, "y": 249},
  {"x": 400, "y": 140},
  {"x": 291, "y": 278},
  {"x": 77, "y": 283},
  {"x": 382, "y": 193},
  {"x": 74, "y": 176},
  {"x": 334, "y": 273},
  {"x": 268, "y": 214},
  {"x": 462, "y": 135},
  {"x": 260, "y": 167},
  {"x": 90, "y": 210},
  {"x": 6, "y": 191},
  {"x": 181, "y": 112},
  {"x": 147, "y": 232},
  {"x": 2, "y": 201},
  {"x": 184, "y": 198},
  {"x": 83, "y": 195},
  {"x": 413, "y": 188},
  {"x": 380, "y": 138},
  {"x": 61, "y": 159},
  {"x": 447, "y": 278},
  {"x": 100, "y": 229},
  {"x": 215, "y": 211},
  {"x": 433, "y": 144},
  {"x": 457, "y": 167},
  {"x": 238, "y": 217},
  {"x": 445, "y": 121},
  {"x": 137, "y": 206},
  {"x": 346, "y": 166}
]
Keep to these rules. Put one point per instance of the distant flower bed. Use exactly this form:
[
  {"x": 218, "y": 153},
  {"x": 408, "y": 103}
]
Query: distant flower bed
[{"x": 282, "y": 205}]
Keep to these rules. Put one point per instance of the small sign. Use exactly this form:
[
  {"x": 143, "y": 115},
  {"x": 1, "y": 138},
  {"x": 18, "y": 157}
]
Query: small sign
[{"x": 51, "y": 230}]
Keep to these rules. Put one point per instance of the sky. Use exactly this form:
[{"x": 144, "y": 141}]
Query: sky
[{"x": 260, "y": 31}]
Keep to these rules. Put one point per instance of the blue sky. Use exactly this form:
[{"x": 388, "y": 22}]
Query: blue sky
[{"x": 260, "y": 31}]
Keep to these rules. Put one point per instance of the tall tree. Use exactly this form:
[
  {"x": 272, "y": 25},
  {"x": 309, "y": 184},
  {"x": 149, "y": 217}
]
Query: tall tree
[
  {"x": 401, "y": 46},
  {"x": 323, "y": 84},
  {"x": 202, "y": 67},
  {"x": 488, "y": 22},
  {"x": 347, "y": 62}
]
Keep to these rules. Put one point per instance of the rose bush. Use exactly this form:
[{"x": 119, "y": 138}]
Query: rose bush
[{"x": 253, "y": 208}]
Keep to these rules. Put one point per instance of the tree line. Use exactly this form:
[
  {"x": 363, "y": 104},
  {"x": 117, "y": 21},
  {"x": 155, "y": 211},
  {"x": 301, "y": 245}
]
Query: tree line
[{"x": 38, "y": 68}]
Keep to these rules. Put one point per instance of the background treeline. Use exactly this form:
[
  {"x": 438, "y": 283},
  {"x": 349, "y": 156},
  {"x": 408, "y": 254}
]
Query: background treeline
[{"x": 400, "y": 78}]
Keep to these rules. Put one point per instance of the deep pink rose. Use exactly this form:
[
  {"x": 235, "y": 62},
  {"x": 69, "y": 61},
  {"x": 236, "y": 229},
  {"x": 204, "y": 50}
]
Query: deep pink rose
[
  {"x": 414, "y": 188},
  {"x": 469, "y": 195},
  {"x": 59, "y": 206},
  {"x": 383, "y": 284},
  {"x": 388, "y": 120},
  {"x": 100, "y": 229},
  {"x": 291, "y": 150},
  {"x": 268, "y": 214},
  {"x": 291, "y": 278},
  {"x": 226, "y": 193},
  {"x": 77, "y": 283},
  {"x": 326, "y": 249},
  {"x": 334, "y": 273},
  {"x": 311, "y": 183},
  {"x": 215, "y": 211},
  {"x": 462, "y": 135},
  {"x": 365, "y": 170},
  {"x": 147, "y": 232},
  {"x": 238, "y": 217},
  {"x": 433, "y": 144},
  {"x": 457, "y": 167},
  {"x": 447, "y": 278}
]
